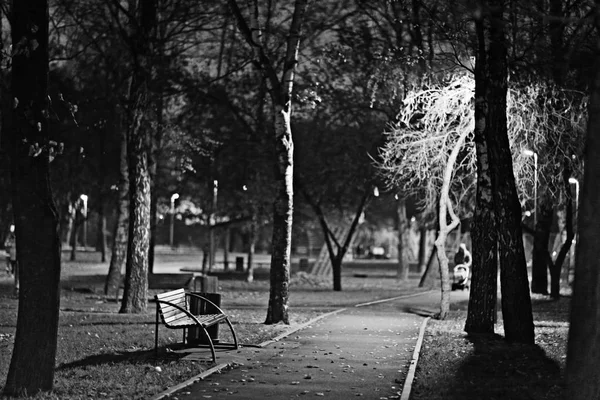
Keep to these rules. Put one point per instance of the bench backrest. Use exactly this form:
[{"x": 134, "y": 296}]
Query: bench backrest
[{"x": 169, "y": 313}]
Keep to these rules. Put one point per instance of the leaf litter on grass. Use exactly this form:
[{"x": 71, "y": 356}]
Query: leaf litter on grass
[{"x": 455, "y": 366}]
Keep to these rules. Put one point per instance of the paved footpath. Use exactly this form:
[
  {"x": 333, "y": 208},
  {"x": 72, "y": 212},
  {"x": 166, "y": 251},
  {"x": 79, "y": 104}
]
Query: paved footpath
[{"x": 358, "y": 352}]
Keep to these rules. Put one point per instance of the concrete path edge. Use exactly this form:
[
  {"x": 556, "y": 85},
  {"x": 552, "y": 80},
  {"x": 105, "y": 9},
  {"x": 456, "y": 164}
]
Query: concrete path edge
[
  {"x": 192, "y": 380},
  {"x": 299, "y": 327},
  {"x": 404, "y": 296},
  {"x": 410, "y": 377}
]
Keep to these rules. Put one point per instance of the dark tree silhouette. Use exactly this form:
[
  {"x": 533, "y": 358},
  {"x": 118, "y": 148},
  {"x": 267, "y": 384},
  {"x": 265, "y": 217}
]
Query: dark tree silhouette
[
  {"x": 119, "y": 245},
  {"x": 516, "y": 302},
  {"x": 138, "y": 150},
  {"x": 583, "y": 363},
  {"x": 36, "y": 218},
  {"x": 482, "y": 299}
]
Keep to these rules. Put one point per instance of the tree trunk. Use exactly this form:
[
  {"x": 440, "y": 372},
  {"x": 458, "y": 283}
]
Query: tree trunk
[
  {"x": 205, "y": 257},
  {"x": 70, "y": 223},
  {"x": 445, "y": 209},
  {"x": 417, "y": 36},
  {"x": 403, "y": 267},
  {"x": 583, "y": 363},
  {"x": 138, "y": 148},
  {"x": 227, "y": 236},
  {"x": 153, "y": 219},
  {"x": 556, "y": 266},
  {"x": 336, "y": 267},
  {"x": 101, "y": 196},
  {"x": 136, "y": 271},
  {"x": 32, "y": 363},
  {"x": 440, "y": 245},
  {"x": 422, "y": 250},
  {"x": 251, "y": 247},
  {"x": 280, "y": 91},
  {"x": 516, "y": 302},
  {"x": 428, "y": 279},
  {"x": 101, "y": 228},
  {"x": 74, "y": 233},
  {"x": 282, "y": 220},
  {"x": 481, "y": 313},
  {"x": 119, "y": 246},
  {"x": 154, "y": 165},
  {"x": 541, "y": 241},
  {"x": 212, "y": 246}
]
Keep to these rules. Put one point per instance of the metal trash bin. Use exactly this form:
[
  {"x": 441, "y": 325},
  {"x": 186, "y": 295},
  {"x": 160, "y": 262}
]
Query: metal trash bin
[
  {"x": 199, "y": 307},
  {"x": 239, "y": 264}
]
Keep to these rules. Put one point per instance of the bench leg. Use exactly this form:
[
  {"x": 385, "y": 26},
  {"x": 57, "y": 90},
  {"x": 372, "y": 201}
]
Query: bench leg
[
  {"x": 156, "y": 334},
  {"x": 235, "y": 342},
  {"x": 210, "y": 343}
]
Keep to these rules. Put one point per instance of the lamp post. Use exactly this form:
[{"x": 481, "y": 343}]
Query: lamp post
[
  {"x": 576, "y": 183},
  {"x": 84, "y": 198},
  {"x": 530, "y": 153},
  {"x": 212, "y": 223},
  {"x": 174, "y": 197}
]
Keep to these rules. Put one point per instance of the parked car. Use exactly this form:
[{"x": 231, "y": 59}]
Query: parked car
[{"x": 378, "y": 252}]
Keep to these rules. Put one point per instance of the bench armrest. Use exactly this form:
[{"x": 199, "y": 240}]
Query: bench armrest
[
  {"x": 206, "y": 300},
  {"x": 186, "y": 312}
]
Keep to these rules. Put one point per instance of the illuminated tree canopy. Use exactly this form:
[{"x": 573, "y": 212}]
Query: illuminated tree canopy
[{"x": 433, "y": 118}]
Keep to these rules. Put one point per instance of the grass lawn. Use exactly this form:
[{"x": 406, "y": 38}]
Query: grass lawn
[
  {"x": 453, "y": 366},
  {"x": 104, "y": 354}
]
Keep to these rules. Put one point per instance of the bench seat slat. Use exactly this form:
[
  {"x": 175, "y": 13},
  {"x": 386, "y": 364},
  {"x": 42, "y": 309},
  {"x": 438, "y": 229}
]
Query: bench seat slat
[
  {"x": 173, "y": 318},
  {"x": 169, "y": 311},
  {"x": 206, "y": 320}
]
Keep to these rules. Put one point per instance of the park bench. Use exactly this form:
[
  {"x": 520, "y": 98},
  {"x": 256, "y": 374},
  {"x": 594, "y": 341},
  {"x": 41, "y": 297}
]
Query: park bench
[{"x": 173, "y": 309}]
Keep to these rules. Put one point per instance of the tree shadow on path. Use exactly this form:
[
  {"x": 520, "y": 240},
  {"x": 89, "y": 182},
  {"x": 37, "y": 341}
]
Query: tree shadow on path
[{"x": 127, "y": 357}]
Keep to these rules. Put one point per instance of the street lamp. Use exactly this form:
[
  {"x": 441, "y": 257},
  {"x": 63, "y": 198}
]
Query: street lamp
[
  {"x": 84, "y": 198},
  {"x": 530, "y": 153},
  {"x": 576, "y": 183},
  {"x": 174, "y": 197}
]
